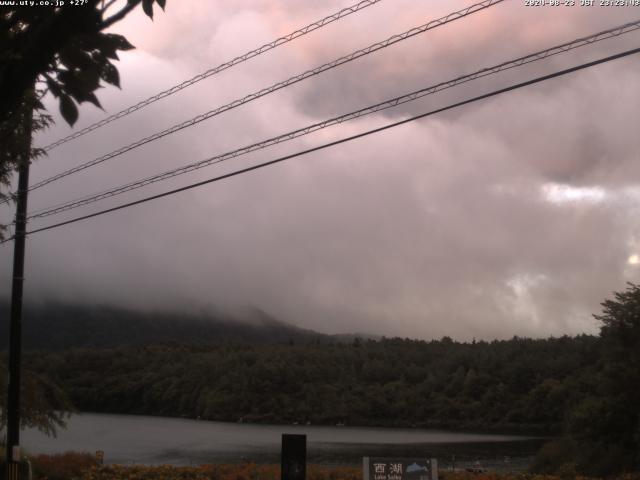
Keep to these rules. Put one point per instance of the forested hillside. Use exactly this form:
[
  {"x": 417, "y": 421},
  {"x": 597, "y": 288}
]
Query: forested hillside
[
  {"x": 54, "y": 326},
  {"x": 517, "y": 384}
]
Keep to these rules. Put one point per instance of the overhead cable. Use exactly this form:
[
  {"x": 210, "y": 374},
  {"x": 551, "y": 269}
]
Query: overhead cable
[
  {"x": 533, "y": 57},
  {"x": 338, "y": 142},
  {"x": 277, "y": 86},
  {"x": 212, "y": 71}
]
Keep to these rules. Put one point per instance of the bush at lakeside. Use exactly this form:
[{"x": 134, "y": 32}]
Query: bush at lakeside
[
  {"x": 247, "y": 471},
  {"x": 63, "y": 466},
  {"x": 82, "y": 466},
  {"x": 272, "y": 472}
]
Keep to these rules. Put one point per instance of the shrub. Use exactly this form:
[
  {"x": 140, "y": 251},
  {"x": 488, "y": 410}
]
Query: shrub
[
  {"x": 63, "y": 466},
  {"x": 553, "y": 455}
]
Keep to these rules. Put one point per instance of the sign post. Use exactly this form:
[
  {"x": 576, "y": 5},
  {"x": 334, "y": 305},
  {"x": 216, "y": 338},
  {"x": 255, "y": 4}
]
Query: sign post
[{"x": 294, "y": 457}]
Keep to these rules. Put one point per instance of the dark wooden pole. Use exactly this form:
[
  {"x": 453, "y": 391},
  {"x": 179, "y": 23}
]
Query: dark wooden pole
[
  {"x": 15, "y": 329},
  {"x": 293, "y": 457}
]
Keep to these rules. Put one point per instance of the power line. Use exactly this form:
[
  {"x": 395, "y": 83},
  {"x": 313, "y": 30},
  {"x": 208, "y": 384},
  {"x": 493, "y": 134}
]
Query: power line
[
  {"x": 344, "y": 140},
  {"x": 540, "y": 55},
  {"x": 265, "y": 91},
  {"x": 213, "y": 71}
]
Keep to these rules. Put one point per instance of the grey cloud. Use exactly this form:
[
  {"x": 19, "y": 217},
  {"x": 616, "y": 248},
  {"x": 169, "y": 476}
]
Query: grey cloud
[{"x": 435, "y": 228}]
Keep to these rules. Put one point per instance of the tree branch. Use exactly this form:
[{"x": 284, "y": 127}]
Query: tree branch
[
  {"x": 106, "y": 7},
  {"x": 120, "y": 15}
]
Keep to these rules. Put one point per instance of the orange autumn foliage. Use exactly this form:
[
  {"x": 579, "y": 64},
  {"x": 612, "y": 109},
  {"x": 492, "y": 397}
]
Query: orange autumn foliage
[{"x": 62, "y": 466}]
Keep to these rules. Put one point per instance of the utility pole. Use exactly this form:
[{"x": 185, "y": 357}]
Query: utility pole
[{"x": 15, "y": 329}]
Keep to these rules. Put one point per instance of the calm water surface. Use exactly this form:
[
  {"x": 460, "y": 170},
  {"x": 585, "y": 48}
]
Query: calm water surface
[{"x": 157, "y": 440}]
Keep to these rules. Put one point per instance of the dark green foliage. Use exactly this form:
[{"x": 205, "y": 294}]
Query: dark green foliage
[
  {"x": 602, "y": 424},
  {"x": 555, "y": 456},
  {"x": 66, "y": 47},
  {"x": 43, "y": 404},
  {"x": 387, "y": 382},
  {"x": 62, "y": 50}
]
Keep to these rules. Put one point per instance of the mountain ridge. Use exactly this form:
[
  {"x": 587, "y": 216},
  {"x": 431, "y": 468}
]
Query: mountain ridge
[{"x": 56, "y": 325}]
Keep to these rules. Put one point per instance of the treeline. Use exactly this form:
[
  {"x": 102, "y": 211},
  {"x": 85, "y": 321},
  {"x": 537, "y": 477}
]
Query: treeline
[{"x": 519, "y": 384}]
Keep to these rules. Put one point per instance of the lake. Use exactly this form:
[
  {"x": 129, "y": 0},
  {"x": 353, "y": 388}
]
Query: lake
[{"x": 128, "y": 439}]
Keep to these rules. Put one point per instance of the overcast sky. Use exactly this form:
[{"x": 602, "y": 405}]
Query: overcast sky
[{"x": 516, "y": 215}]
